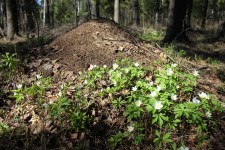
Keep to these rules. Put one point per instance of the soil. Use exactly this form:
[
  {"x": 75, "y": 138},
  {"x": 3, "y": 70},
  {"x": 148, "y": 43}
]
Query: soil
[{"x": 96, "y": 42}]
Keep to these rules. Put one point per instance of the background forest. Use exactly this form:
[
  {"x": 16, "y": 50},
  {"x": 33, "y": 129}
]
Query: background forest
[{"x": 112, "y": 74}]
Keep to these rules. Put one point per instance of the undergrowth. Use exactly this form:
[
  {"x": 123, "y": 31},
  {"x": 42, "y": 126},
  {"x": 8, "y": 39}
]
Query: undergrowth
[{"x": 157, "y": 107}]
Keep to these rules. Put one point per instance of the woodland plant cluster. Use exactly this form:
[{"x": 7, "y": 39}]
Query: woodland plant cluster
[{"x": 161, "y": 106}]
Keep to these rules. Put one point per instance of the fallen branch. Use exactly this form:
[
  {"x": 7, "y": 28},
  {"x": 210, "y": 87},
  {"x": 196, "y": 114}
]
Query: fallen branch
[{"x": 190, "y": 69}]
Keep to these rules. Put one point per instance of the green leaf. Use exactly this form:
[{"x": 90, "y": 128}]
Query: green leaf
[{"x": 166, "y": 136}]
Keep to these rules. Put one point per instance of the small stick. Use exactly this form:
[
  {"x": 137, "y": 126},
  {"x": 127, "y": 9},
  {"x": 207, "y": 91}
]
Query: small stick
[{"x": 199, "y": 68}]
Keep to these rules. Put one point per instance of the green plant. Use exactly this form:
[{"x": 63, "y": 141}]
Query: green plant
[
  {"x": 168, "y": 96},
  {"x": 161, "y": 138},
  {"x": 35, "y": 89},
  {"x": 4, "y": 128},
  {"x": 8, "y": 62},
  {"x": 152, "y": 36}
]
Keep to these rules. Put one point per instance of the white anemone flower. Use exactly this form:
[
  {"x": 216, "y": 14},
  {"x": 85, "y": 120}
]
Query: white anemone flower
[
  {"x": 136, "y": 64},
  {"x": 130, "y": 128},
  {"x": 183, "y": 148},
  {"x": 195, "y": 73},
  {"x": 19, "y": 86},
  {"x": 203, "y": 95},
  {"x": 115, "y": 66},
  {"x": 195, "y": 100},
  {"x": 138, "y": 103},
  {"x": 126, "y": 70},
  {"x": 169, "y": 71},
  {"x": 134, "y": 88},
  {"x": 159, "y": 88},
  {"x": 60, "y": 94},
  {"x": 38, "y": 83},
  {"x": 208, "y": 114},
  {"x": 151, "y": 83},
  {"x": 174, "y": 97},
  {"x": 153, "y": 94},
  {"x": 38, "y": 76},
  {"x": 173, "y": 65},
  {"x": 158, "y": 105},
  {"x": 104, "y": 66}
]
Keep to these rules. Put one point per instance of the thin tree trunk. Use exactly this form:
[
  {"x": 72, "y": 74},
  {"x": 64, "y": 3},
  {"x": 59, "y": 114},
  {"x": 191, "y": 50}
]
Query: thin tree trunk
[
  {"x": 97, "y": 7},
  {"x": 15, "y": 17},
  {"x": 136, "y": 17},
  {"x": 157, "y": 12},
  {"x": 116, "y": 11},
  {"x": 52, "y": 13},
  {"x": 176, "y": 21},
  {"x": 44, "y": 13},
  {"x": 48, "y": 20},
  {"x": 29, "y": 7},
  {"x": 189, "y": 12},
  {"x": 10, "y": 23},
  {"x": 4, "y": 16},
  {"x": 204, "y": 15},
  {"x": 75, "y": 12}
]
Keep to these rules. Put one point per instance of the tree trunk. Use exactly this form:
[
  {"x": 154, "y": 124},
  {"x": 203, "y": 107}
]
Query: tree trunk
[
  {"x": 189, "y": 12},
  {"x": 15, "y": 17},
  {"x": 97, "y": 7},
  {"x": 204, "y": 15},
  {"x": 29, "y": 7},
  {"x": 89, "y": 9},
  {"x": 157, "y": 12},
  {"x": 75, "y": 12},
  {"x": 222, "y": 31},
  {"x": 48, "y": 20},
  {"x": 52, "y": 13},
  {"x": 44, "y": 13},
  {"x": 12, "y": 27},
  {"x": 136, "y": 17},
  {"x": 116, "y": 11},
  {"x": 176, "y": 26}
]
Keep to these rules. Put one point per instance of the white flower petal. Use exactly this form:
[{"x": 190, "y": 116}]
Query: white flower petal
[
  {"x": 136, "y": 64},
  {"x": 138, "y": 103},
  {"x": 134, "y": 88},
  {"x": 153, "y": 94},
  {"x": 115, "y": 66},
  {"x": 130, "y": 128},
  {"x": 19, "y": 86},
  {"x": 169, "y": 71},
  {"x": 174, "y": 97},
  {"x": 158, "y": 105},
  {"x": 195, "y": 73}
]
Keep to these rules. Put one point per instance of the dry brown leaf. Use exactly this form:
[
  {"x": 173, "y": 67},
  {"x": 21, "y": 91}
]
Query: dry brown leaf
[
  {"x": 74, "y": 136},
  {"x": 47, "y": 66}
]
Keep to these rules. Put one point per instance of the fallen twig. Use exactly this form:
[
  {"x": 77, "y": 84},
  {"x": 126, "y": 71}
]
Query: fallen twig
[{"x": 190, "y": 69}]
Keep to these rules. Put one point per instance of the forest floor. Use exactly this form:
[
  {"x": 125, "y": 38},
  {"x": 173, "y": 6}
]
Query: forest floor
[{"x": 98, "y": 43}]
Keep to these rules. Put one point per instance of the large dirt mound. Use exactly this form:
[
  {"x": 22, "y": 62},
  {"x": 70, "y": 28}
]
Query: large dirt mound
[{"x": 95, "y": 42}]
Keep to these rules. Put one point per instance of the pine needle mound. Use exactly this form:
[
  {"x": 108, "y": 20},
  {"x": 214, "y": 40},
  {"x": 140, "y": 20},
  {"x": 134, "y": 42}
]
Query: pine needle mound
[{"x": 96, "y": 42}]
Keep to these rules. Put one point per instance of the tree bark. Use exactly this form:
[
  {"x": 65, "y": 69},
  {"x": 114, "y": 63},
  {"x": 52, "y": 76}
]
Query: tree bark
[
  {"x": 97, "y": 7},
  {"x": 116, "y": 10},
  {"x": 157, "y": 12},
  {"x": 136, "y": 17},
  {"x": 29, "y": 7},
  {"x": 189, "y": 12},
  {"x": 176, "y": 21},
  {"x": 52, "y": 13},
  {"x": 75, "y": 12},
  {"x": 12, "y": 27},
  {"x": 204, "y": 15}
]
